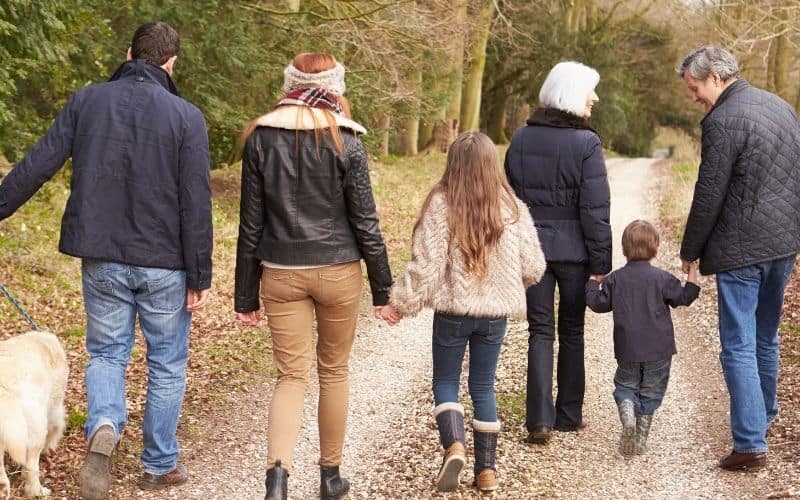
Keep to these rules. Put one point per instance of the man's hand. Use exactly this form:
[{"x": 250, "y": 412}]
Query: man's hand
[
  {"x": 251, "y": 318},
  {"x": 196, "y": 299},
  {"x": 687, "y": 265},
  {"x": 598, "y": 277}
]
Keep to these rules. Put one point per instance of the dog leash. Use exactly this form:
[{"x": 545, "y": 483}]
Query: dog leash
[{"x": 19, "y": 307}]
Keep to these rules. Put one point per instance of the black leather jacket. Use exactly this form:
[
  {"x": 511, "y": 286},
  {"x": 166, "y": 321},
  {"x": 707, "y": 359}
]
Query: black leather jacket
[{"x": 303, "y": 204}]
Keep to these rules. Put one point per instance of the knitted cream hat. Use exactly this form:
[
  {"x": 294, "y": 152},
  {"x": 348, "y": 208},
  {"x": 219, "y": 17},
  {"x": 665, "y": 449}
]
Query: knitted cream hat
[{"x": 332, "y": 79}]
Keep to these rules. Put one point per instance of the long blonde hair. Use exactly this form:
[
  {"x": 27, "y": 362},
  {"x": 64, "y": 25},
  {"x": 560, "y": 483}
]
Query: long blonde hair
[
  {"x": 475, "y": 189},
  {"x": 309, "y": 62}
]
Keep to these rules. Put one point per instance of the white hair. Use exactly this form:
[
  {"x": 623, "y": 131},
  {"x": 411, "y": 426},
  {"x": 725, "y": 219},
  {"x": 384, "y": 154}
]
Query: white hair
[{"x": 567, "y": 87}]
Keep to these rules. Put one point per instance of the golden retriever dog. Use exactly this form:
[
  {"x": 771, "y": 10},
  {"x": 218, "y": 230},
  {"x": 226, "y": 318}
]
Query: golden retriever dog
[{"x": 33, "y": 379}]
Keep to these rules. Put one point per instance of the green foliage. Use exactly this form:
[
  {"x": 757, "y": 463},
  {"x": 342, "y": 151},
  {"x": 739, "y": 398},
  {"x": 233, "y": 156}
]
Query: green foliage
[
  {"x": 635, "y": 58},
  {"x": 47, "y": 49}
]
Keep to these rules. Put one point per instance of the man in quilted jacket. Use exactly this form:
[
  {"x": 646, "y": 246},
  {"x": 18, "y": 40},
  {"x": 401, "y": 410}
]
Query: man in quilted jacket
[{"x": 744, "y": 226}]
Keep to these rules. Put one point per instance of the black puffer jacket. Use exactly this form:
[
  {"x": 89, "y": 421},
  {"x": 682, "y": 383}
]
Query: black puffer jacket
[
  {"x": 746, "y": 206},
  {"x": 555, "y": 165},
  {"x": 304, "y": 205}
]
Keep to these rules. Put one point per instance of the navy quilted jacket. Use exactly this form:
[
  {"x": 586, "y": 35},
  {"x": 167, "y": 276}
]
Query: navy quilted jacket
[
  {"x": 746, "y": 206},
  {"x": 555, "y": 165},
  {"x": 140, "y": 188}
]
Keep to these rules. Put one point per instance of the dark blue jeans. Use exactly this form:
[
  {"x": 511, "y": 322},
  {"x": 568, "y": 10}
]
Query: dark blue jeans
[
  {"x": 451, "y": 335},
  {"x": 750, "y": 302},
  {"x": 567, "y": 412},
  {"x": 643, "y": 383}
]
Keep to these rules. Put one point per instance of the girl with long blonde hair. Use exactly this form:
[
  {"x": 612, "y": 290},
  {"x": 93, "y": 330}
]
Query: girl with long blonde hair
[{"x": 474, "y": 252}]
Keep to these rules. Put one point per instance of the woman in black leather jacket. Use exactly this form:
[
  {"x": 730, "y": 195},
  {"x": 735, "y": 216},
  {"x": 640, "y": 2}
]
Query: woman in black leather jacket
[
  {"x": 307, "y": 219},
  {"x": 555, "y": 165}
]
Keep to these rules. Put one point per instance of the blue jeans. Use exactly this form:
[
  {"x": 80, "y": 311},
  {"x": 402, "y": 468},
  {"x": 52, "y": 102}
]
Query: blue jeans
[
  {"x": 113, "y": 295},
  {"x": 643, "y": 383},
  {"x": 451, "y": 334},
  {"x": 750, "y": 302}
]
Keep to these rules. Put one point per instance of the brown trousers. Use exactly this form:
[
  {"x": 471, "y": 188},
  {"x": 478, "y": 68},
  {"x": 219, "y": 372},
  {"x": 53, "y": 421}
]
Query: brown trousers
[{"x": 291, "y": 298}]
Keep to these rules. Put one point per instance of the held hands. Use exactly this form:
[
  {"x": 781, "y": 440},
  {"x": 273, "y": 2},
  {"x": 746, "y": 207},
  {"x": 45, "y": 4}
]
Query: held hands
[
  {"x": 388, "y": 313},
  {"x": 691, "y": 268},
  {"x": 598, "y": 277}
]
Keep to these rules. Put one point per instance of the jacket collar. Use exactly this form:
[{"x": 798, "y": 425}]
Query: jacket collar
[
  {"x": 288, "y": 118},
  {"x": 551, "y": 117},
  {"x": 733, "y": 88},
  {"x": 144, "y": 69}
]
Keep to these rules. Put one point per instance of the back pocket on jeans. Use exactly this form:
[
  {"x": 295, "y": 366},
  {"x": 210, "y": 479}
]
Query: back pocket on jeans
[
  {"x": 167, "y": 293},
  {"x": 447, "y": 330}
]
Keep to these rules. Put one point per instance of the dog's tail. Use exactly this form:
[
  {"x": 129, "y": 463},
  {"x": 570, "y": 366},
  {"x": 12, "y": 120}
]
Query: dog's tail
[{"x": 13, "y": 431}]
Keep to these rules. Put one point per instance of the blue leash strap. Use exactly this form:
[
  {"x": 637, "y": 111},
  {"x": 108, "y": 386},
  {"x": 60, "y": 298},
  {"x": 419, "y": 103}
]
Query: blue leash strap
[{"x": 19, "y": 307}]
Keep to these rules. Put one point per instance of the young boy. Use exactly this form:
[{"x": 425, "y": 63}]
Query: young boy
[{"x": 644, "y": 340}]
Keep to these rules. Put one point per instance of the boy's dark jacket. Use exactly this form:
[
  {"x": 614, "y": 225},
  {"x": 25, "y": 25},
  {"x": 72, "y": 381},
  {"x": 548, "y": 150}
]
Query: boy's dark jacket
[{"x": 640, "y": 295}]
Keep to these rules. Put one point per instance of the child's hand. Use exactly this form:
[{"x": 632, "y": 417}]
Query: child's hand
[
  {"x": 598, "y": 277},
  {"x": 693, "y": 272}
]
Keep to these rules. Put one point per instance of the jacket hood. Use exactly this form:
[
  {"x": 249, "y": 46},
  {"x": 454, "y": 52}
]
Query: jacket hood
[{"x": 288, "y": 118}]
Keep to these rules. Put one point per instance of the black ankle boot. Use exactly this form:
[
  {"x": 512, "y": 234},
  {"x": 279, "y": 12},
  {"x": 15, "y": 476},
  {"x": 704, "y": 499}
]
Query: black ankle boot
[
  {"x": 332, "y": 486},
  {"x": 277, "y": 482}
]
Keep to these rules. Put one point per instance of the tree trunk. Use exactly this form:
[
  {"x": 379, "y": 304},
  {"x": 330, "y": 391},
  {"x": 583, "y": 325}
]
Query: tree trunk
[
  {"x": 781, "y": 67},
  {"x": 496, "y": 121},
  {"x": 409, "y": 134},
  {"x": 382, "y": 127},
  {"x": 453, "y": 111},
  {"x": 471, "y": 98}
]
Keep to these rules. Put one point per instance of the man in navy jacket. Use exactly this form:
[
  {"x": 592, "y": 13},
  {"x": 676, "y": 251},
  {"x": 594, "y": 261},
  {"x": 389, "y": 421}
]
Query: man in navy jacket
[{"x": 139, "y": 217}]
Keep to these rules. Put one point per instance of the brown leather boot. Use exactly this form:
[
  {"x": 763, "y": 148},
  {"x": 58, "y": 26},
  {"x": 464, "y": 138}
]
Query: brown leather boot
[
  {"x": 179, "y": 475},
  {"x": 96, "y": 471}
]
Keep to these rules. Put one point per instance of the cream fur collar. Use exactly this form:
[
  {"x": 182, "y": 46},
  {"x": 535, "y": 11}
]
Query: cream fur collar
[{"x": 286, "y": 117}]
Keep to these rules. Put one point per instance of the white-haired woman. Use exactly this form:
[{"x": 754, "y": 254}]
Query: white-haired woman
[{"x": 555, "y": 164}]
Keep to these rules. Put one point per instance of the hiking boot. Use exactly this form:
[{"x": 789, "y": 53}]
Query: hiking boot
[
  {"x": 539, "y": 435},
  {"x": 486, "y": 480},
  {"x": 450, "y": 422},
  {"x": 627, "y": 440},
  {"x": 177, "y": 476},
  {"x": 485, "y": 435},
  {"x": 96, "y": 472},
  {"x": 454, "y": 460},
  {"x": 642, "y": 430}
]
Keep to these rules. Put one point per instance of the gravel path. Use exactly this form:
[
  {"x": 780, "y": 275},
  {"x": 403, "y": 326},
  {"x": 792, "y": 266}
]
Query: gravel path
[{"x": 392, "y": 449}]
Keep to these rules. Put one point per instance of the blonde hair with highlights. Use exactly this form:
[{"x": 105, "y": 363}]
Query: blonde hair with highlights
[
  {"x": 475, "y": 189},
  {"x": 640, "y": 241}
]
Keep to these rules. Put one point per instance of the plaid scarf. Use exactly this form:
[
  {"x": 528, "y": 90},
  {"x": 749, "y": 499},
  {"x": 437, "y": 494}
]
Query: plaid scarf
[{"x": 314, "y": 97}]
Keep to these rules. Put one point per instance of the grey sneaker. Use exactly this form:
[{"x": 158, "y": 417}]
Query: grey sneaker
[
  {"x": 642, "y": 430},
  {"x": 96, "y": 472},
  {"x": 628, "y": 419}
]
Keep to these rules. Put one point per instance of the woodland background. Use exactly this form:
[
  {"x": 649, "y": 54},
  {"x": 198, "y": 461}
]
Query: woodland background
[{"x": 419, "y": 71}]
